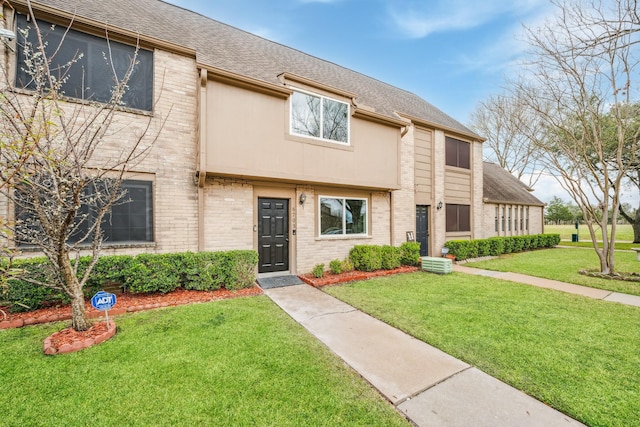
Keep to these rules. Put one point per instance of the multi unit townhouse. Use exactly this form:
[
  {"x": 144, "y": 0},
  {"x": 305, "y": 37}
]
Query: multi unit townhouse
[{"x": 262, "y": 146}]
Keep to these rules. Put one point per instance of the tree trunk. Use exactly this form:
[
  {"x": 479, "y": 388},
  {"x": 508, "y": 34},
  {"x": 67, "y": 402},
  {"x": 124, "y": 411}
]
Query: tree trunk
[
  {"x": 636, "y": 230},
  {"x": 78, "y": 313},
  {"x": 74, "y": 290}
]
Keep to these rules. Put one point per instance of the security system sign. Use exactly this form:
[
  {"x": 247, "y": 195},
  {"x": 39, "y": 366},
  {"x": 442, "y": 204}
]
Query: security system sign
[{"x": 103, "y": 301}]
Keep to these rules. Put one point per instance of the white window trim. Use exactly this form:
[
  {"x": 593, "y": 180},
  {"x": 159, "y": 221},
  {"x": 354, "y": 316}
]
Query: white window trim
[
  {"x": 344, "y": 218},
  {"x": 306, "y": 92}
]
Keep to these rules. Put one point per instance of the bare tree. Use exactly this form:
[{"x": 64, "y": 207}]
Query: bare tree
[
  {"x": 583, "y": 69},
  {"x": 511, "y": 130},
  {"x": 73, "y": 177}
]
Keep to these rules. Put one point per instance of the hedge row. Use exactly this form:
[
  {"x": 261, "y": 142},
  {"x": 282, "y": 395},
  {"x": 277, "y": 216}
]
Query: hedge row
[
  {"x": 144, "y": 273},
  {"x": 372, "y": 257},
  {"x": 494, "y": 246}
]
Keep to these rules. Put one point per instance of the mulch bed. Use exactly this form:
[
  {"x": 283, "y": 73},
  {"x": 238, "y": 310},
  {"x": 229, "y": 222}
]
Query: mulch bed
[
  {"x": 125, "y": 303},
  {"x": 350, "y": 276}
]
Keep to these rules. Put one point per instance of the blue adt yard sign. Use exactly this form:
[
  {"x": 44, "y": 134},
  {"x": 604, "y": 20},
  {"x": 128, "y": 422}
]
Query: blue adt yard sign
[{"x": 103, "y": 301}]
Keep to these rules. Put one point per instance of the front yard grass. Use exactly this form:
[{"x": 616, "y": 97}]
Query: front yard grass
[
  {"x": 563, "y": 264},
  {"x": 237, "y": 362},
  {"x": 578, "y": 355}
]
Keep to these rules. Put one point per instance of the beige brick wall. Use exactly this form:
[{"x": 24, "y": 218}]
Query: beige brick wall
[
  {"x": 477, "y": 191},
  {"x": 403, "y": 200},
  {"x": 228, "y": 215},
  {"x": 489, "y": 211},
  {"x": 438, "y": 224},
  {"x": 170, "y": 157}
]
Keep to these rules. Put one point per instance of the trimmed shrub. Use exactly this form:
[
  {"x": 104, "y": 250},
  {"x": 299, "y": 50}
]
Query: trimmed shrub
[
  {"x": 410, "y": 253},
  {"x": 200, "y": 270},
  {"x": 460, "y": 248},
  {"x": 517, "y": 244},
  {"x": 335, "y": 266},
  {"x": 318, "y": 271},
  {"x": 508, "y": 245},
  {"x": 347, "y": 265},
  {"x": 494, "y": 246},
  {"x": 366, "y": 257},
  {"x": 241, "y": 267},
  {"x": 154, "y": 273},
  {"x": 108, "y": 270},
  {"x": 484, "y": 247},
  {"x": 144, "y": 273},
  {"x": 390, "y": 257}
]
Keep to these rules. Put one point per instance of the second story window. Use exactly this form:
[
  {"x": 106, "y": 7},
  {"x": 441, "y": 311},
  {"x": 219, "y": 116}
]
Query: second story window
[
  {"x": 85, "y": 64},
  {"x": 319, "y": 117},
  {"x": 458, "y": 153}
]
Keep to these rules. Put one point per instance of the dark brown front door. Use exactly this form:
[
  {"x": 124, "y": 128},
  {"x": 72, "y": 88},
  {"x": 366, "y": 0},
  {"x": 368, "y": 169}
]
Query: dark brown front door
[
  {"x": 273, "y": 235},
  {"x": 422, "y": 229}
]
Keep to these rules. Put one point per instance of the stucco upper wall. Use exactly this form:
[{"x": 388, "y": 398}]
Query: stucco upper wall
[{"x": 247, "y": 135}]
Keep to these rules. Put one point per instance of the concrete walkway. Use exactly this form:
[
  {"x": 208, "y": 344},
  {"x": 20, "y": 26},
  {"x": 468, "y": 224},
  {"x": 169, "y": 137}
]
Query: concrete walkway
[
  {"x": 428, "y": 386},
  {"x": 553, "y": 284}
]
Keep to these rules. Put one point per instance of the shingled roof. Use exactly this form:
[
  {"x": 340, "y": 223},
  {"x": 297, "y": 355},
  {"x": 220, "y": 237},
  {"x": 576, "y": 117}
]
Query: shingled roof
[
  {"x": 227, "y": 48},
  {"x": 499, "y": 186}
]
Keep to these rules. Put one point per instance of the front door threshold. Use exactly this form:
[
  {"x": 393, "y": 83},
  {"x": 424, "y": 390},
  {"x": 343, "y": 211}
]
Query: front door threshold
[
  {"x": 274, "y": 274},
  {"x": 279, "y": 281}
]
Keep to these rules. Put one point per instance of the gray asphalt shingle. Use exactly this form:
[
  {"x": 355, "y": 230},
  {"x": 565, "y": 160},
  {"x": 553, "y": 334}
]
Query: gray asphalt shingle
[{"x": 499, "y": 186}]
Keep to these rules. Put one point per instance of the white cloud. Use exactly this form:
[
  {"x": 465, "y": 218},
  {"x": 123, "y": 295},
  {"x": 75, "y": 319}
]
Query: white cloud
[{"x": 416, "y": 19}]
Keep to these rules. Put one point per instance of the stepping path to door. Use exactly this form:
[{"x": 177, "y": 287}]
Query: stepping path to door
[
  {"x": 427, "y": 385},
  {"x": 553, "y": 284}
]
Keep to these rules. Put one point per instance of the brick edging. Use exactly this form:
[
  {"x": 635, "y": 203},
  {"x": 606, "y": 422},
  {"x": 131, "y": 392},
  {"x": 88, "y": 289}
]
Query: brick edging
[{"x": 81, "y": 344}]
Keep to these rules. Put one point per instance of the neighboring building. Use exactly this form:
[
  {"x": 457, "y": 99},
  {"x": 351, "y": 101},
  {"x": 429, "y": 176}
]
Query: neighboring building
[
  {"x": 268, "y": 148},
  {"x": 509, "y": 207}
]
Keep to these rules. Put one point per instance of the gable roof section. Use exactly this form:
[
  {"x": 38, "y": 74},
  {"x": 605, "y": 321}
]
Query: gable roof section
[
  {"x": 221, "y": 46},
  {"x": 499, "y": 186}
]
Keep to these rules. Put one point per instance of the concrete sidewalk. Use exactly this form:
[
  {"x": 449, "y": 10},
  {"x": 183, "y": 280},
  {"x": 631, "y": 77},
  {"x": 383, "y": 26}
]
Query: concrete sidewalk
[
  {"x": 428, "y": 386},
  {"x": 553, "y": 284}
]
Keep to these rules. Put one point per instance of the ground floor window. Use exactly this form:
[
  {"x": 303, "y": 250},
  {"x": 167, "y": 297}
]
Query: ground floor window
[
  {"x": 343, "y": 216},
  {"x": 129, "y": 221},
  {"x": 132, "y": 219},
  {"x": 458, "y": 218}
]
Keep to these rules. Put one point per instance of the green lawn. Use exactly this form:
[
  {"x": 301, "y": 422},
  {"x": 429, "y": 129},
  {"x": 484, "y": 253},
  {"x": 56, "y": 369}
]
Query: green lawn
[
  {"x": 239, "y": 362},
  {"x": 578, "y": 355},
  {"x": 582, "y": 243},
  {"x": 563, "y": 264},
  {"x": 624, "y": 232}
]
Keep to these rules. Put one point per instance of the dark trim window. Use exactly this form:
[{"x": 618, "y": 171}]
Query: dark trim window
[
  {"x": 129, "y": 221},
  {"x": 342, "y": 216},
  {"x": 457, "y": 153},
  {"x": 504, "y": 211},
  {"x": 509, "y": 219},
  {"x": 85, "y": 64},
  {"x": 458, "y": 218},
  {"x": 319, "y": 117},
  {"x": 132, "y": 219},
  {"x": 497, "y": 215},
  {"x": 521, "y": 217}
]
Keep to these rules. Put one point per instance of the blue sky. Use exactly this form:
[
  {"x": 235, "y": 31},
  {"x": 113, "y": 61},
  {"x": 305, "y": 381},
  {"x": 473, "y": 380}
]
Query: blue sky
[{"x": 453, "y": 53}]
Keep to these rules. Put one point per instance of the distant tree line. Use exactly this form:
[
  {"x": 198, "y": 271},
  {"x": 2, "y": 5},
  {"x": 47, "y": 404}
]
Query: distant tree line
[{"x": 560, "y": 212}]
